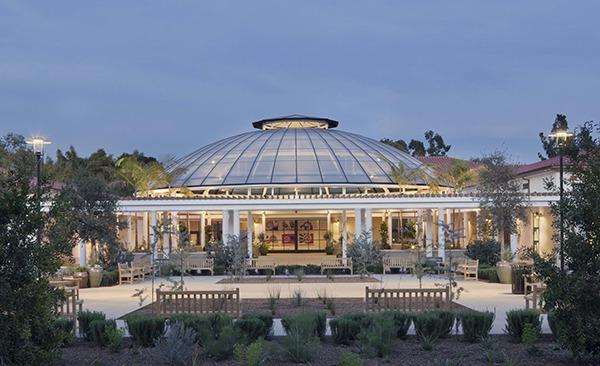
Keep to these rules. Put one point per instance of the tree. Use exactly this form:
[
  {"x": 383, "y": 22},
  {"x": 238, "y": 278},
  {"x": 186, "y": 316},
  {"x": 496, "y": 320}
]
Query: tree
[
  {"x": 144, "y": 177},
  {"x": 27, "y": 336},
  {"x": 364, "y": 253},
  {"x": 398, "y": 144},
  {"x": 460, "y": 175},
  {"x": 417, "y": 148},
  {"x": 572, "y": 297},
  {"x": 549, "y": 143},
  {"x": 437, "y": 147},
  {"x": 501, "y": 199}
]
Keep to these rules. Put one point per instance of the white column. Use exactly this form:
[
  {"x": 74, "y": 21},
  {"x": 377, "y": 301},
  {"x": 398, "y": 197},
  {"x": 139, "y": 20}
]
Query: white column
[
  {"x": 465, "y": 228},
  {"x": 344, "y": 233},
  {"x": 146, "y": 230},
  {"x": 152, "y": 240},
  {"x": 358, "y": 226},
  {"x": 202, "y": 229},
  {"x": 226, "y": 227},
  {"x": 419, "y": 234},
  {"x": 166, "y": 235},
  {"x": 328, "y": 221},
  {"x": 429, "y": 234},
  {"x": 441, "y": 236},
  {"x": 389, "y": 224},
  {"x": 82, "y": 253},
  {"x": 236, "y": 223},
  {"x": 514, "y": 244},
  {"x": 263, "y": 223},
  {"x": 250, "y": 232},
  {"x": 368, "y": 223},
  {"x": 449, "y": 220},
  {"x": 131, "y": 222},
  {"x": 175, "y": 236}
]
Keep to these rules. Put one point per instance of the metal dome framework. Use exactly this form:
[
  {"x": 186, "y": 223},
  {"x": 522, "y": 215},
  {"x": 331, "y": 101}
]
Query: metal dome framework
[{"x": 292, "y": 154}]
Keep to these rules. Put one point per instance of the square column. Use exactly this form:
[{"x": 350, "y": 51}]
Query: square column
[
  {"x": 429, "y": 234},
  {"x": 166, "y": 223},
  {"x": 465, "y": 228},
  {"x": 82, "y": 253},
  {"x": 153, "y": 240},
  {"x": 202, "y": 229},
  {"x": 226, "y": 227},
  {"x": 344, "y": 233},
  {"x": 176, "y": 234},
  {"x": 250, "y": 232},
  {"x": 514, "y": 244},
  {"x": 441, "y": 232},
  {"x": 131, "y": 231},
  {"x": 358, "y": 225},
  {"x": 368, "y": 222},
  {"x": 236, "y": 223},
  {"x": 389, "y": 225}
]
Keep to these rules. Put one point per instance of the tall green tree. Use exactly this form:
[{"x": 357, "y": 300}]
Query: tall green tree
[
  {"x": 460, "y": 175},
  {"x": 501, "y": 200},
  {"x": 436, "y": 145},
  {"x": 27, "y": 336},
  {"x": 398, "y": 144},
  {"x": 549, "y": 143},
  {"x": 573, "y": 296}
]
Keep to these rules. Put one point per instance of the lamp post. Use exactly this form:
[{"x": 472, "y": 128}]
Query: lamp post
[
  {"x": 561, "y": 137},
  {"x": 38, "y": 143}
]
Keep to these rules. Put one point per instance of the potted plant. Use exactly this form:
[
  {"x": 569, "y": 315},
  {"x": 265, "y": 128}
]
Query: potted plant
[
  {"x": 95, "y": 275},
  {"x": 81, "y": 275},
  {"x": 263, "y": 247},
  {"x": 504, "y": 268},
  {"x": 329, "y": 248}
]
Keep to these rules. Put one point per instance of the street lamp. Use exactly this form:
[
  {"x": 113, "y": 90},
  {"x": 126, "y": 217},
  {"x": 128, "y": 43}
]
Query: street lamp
[
  {"x": 38, "y": 143},
  {"x": 561, "y": 137}
]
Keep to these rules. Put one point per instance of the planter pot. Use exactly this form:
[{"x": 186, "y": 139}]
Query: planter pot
[
  {"x": 504, "y": 271},
  {"x": 82, "y": 277},
  {"x": 95, "y": 276}
]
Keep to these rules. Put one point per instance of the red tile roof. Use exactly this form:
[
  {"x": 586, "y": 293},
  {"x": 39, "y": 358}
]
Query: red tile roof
[{"x": 552, "y": 163}]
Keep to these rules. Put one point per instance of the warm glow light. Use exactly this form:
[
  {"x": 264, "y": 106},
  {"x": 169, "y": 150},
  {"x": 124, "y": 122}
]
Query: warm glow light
[
  {"x": 38, "y": 143},
  {"x": 561, "y": 135}
]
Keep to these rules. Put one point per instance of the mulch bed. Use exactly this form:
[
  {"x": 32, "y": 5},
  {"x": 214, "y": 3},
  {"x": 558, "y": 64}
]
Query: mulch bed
[
  {"x": 336, "y": 279},
  {"x": 405, "y": 352},
  {"x": 287, "y": 306}
]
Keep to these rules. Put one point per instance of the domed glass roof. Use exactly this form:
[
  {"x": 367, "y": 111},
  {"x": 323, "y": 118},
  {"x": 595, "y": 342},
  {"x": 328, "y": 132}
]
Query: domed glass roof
[{"x": 292, "y": 150}]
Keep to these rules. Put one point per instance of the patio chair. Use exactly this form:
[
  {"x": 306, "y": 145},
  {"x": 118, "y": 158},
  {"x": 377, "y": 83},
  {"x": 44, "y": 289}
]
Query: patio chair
[{"x": 126, "y": 274}]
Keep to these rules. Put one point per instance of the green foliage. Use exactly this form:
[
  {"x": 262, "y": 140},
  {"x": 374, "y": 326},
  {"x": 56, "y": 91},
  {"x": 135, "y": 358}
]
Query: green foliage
[
  {"x": 255, "y": 326},
  {"x": 254, "y": 354},
  {"x": 145, "y": 330},
  {"x": 274, "y": 296},
  {"x": 349, "y": 359},
  {"x": 476, "y": 325},
  {"x": 301, "y": 342},
  {"x": 488, "y": 273},
  {"x": 344, "y": 329},
  {"x": 110, "y": 278},
  {"x": 516, "y": 320},
  {"x": 550, "y": 144},
  {"x": 434, "y": 324},
  {"x": 458, "y": 361},
  {"x": 573, "y": 296},
  {"x": 97, "y": 331},
  {"x": 64, "y": 328},
  {"x": 27, "y": 334},
  {"x": 178, "y": 347},
  {"x": 299, "y": 274},
  {"x": 221, "y": 345},
  {"x": 377, "y": 339},
  {"x": 309, "y": 269},
  {"x": 402, "y": 321},
  {"x": 486, "y": 250},
  {"x": 364, "y": 254},
  {"x": 114, "y": 338},
  {"x": 529, "y": 338},
  {"x": 317, "y": 321},
  {"x": 85, "y": 318}
]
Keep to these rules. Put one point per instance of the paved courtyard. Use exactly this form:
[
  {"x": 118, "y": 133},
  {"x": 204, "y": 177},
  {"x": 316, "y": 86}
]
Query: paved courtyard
[{"x": 119, "y": 300}]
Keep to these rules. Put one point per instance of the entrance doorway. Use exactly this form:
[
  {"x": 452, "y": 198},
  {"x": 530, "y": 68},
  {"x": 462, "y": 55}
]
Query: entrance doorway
[{"x": 296, "y": 234}]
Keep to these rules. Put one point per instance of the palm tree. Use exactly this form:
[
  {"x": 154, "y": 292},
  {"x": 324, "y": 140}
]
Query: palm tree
[
  {"x": 145, "y": 177},
  {"x": 404, "y": 176},
  {"x": 460, "y": 175}
]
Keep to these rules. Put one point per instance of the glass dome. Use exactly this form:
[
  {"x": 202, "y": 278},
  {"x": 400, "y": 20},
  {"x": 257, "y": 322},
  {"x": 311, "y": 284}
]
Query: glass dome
[{"x": 292, "y": 150}]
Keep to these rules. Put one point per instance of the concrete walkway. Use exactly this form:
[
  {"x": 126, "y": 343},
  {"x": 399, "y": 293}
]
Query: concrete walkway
[{"x": 119, "y": 300}]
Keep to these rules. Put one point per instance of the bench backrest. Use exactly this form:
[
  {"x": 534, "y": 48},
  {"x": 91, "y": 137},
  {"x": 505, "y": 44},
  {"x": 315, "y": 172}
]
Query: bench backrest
[
  {"x": 410, "y": 300},
  {"x": 199, "y": 302},
  {"x": 335, "y": 262},
  {"x": 67, "y": 308}
]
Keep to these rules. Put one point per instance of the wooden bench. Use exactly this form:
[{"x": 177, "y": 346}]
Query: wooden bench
[
  {"x": 336, "y": 263},
  {"x": 399, "y": 262},
  {"x": 70, "y": 306},
  {"x": 533, "y": 294},
  {"x": 198, "y": 302},
  {"x": 143, "y": 261},
  {"x": 261, "y": 263},
  {"x": 409, "y": 300},
  {"x": 129, "y": 274},
  {"x": 469, "y": 269},
  {"x": 199, "y": 263}
]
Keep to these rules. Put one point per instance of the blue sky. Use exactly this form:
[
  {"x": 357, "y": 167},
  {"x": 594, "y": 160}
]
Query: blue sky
[{"x": 167, "y": 77}]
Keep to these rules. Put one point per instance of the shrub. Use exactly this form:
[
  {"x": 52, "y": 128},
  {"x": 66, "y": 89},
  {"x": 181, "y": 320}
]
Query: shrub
[
  {"x": 193, "y": 322},
  {"x": 64, "y": 329},
  {"x": 114, "y": 338},
  {"x": 145, "y": 330},
  {"x": 487, "y": 251},
  {"x": 402, "y": 322},
  {"x": 488, "y": 273},
  {"x": 301, "y": 343},
  {"x": 366, "y": 257},
  {"x": 344, "y": 329},
  {"x": 516, "y": 320},
  {"x": 552, "y": 324},
  {"x": 476, "y": 325},
  {"x": 97, "y": 331},
  {"x": 178, "y": 347},
  {"x": 316, "y": 320},
  {"x": 85, "y": 318},
  {"x": 254, "y": 354},
  {"x": 274, "y": 296},
  {"x": 529, "y": 337},
  {"x": 221, "y": 345},
  {"x": 378, "y": 338},
  {"x": 350, "y": 359},
  {"x": 110, "y": 278},
  {"x": 433, "y": 324},
  {"x": 255, "y": 326}
]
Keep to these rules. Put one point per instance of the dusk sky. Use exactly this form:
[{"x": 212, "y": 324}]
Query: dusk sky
[{"x": 169, "y": 77}]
